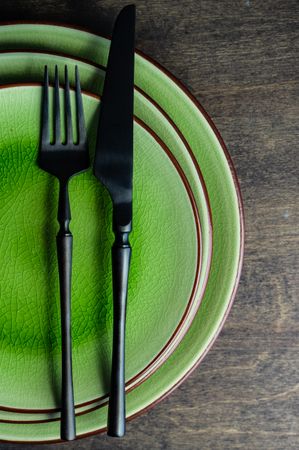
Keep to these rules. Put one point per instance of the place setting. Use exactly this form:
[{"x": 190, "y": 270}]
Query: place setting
[{"x": 121, "y": 231}]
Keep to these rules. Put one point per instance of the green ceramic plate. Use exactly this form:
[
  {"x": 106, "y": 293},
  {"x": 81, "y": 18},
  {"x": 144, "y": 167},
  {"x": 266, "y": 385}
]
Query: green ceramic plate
[
  {"x": 149, "y": 113},
  {"x": 225, "y": 204},
  {"x": 166, "y": 239}
]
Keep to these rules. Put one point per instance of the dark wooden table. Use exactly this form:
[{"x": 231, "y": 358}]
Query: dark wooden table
[{"x": 240, "y": 59}]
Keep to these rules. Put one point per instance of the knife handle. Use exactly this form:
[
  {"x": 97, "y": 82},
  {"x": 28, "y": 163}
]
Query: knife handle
[
  {"x": 121, "y": 256},
  {"x": 64, "y": 242}
]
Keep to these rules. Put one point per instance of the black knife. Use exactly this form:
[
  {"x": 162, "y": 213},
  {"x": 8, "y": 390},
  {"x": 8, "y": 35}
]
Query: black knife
[{"x": 113, "y": 167}]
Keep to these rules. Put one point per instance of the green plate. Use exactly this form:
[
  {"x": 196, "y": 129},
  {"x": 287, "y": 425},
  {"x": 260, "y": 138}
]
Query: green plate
[
  {"x": 166, "y": 240},
  {"x": 147, "y": 112},
  {"x": 225, "y": 205}
]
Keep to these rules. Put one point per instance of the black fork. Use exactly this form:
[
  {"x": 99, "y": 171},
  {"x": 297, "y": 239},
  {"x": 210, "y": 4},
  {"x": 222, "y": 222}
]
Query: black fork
[{"x": 64, "y": 160}]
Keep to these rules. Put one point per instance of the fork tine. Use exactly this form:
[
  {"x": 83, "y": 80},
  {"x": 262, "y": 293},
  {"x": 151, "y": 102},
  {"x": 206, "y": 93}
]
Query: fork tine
[
  {"x": 56, "y": 108},
  {"x": 80, "y": 113},
  {"x": 45, "y": 109},
  {"x": 68, "y": 111}
]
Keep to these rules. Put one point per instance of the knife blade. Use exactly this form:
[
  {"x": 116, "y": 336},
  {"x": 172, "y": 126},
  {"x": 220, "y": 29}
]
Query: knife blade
[
  {"x": 113, "y": 167},
  {"x": 113, "y": 164}
]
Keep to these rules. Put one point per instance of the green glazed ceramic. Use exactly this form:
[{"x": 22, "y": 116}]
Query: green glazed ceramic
[
  {"x": 166, "y": 239},
  {"x": 209, "y": 152},
  {"x": 148, "y": 112}
]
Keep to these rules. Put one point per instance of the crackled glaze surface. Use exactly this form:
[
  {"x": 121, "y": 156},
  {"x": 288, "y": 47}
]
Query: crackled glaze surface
[
  {"x": 164, "y": 239},
  {"x": 225, "y": 206}
]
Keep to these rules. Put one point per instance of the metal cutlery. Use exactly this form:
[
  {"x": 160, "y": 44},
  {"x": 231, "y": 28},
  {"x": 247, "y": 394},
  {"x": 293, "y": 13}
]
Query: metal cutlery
[
  {"x": 113, "y": 167},
  {"x": 64, "y": 160}
]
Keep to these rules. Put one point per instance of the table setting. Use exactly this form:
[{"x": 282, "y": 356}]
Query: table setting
[{"x": 122, "y": 231}]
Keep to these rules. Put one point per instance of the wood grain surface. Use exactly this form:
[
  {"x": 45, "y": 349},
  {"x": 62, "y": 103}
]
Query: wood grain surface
[{"x": 240, "y": 59}]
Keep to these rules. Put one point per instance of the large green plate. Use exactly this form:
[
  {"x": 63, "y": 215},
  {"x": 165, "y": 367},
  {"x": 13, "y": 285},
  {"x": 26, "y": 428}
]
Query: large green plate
[{"x": 225, "y": 205}]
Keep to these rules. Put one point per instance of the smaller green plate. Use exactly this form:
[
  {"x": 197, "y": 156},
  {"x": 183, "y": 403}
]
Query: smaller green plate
[{"x": 164, "y": 275}]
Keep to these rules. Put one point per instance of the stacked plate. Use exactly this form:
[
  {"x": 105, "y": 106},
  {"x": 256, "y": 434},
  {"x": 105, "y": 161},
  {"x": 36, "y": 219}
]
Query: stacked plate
[{"x": 187, "y": 241}]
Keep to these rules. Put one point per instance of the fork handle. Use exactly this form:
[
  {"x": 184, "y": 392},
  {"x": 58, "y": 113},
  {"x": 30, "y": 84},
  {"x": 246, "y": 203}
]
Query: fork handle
[
  {"x": 64, "y": 253},
  {"x": 64, "y": 241},
  {"x": 121, "y": 256}
]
